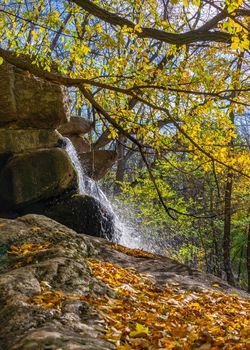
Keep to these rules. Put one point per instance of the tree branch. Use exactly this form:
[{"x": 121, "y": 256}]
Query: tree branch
[{"x": 198, "y": 35}]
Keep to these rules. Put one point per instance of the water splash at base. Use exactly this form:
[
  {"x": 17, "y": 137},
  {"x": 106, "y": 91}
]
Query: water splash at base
[{"x": 125, "y": 233}]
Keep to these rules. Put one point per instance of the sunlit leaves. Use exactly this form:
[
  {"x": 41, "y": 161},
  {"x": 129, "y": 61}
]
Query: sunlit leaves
[
  {"x": 53, "y": 299},
  {"x": 147, "y": 317},
  {"x": 233, "y": 5},
  {"x": 27, "y": 249},
  {"x": 133, "y": 252}
]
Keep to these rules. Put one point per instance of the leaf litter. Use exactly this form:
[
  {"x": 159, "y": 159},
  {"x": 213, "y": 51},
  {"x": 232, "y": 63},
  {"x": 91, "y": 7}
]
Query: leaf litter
[{"x": 146, "y": 317}]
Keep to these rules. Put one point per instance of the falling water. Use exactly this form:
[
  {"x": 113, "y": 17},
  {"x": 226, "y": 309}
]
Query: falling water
[
  {"x": 86, "y": 184},
  {"x": 125, "y": 233},
  {"x": 70, "y": 149}
]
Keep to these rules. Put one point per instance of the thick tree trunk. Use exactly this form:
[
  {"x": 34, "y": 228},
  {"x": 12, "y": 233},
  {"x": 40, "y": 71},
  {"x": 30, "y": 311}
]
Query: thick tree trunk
[{"x": 227, "y": 231}]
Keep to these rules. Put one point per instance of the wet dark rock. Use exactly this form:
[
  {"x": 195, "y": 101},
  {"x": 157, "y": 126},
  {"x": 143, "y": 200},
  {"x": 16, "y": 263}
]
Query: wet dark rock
[
  {"x": 84, "y": 214},
  {"x": 4, "y": 157}
]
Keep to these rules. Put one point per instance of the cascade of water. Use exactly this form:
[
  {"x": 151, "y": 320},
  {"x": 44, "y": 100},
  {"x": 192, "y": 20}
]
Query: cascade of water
[
  {"x": 86, "y": 184},
  {"x": 70, "y": 149},
  {"x": 125, "y": 233}
]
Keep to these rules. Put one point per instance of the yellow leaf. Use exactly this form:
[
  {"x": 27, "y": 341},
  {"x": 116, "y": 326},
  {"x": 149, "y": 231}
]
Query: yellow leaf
[
  {"x": 138, "y": 28},
  {"x": 49, "y": 306},
  {"x": 140, "y": 331},
  {"x": 216, "y": 285},
  {"x": 196, "y": 2},
  {"x": 35, "y": 229}
]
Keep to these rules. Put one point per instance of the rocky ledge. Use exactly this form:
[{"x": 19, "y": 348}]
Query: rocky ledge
[{"x": 48, "y": 291}]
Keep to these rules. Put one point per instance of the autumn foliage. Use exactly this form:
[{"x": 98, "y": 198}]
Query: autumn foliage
[{"x": 144, "y": 316}]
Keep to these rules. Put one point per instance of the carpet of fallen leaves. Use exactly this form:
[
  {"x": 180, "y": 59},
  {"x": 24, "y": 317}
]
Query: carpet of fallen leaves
[
  {"x": 133, "y": 252},
  {"x": 146, "y": 317}
]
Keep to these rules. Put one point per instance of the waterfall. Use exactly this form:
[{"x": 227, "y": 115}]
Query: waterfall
[
  {"x": 125, "y": 233},
  {"x": 70, "y": 149},
  {"x": 86, "y": 184}
]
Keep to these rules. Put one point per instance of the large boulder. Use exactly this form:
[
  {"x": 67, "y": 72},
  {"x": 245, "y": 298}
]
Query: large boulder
[
  {"x": 28, "y": 101},
  {"x": 81, "y": 144},
  {"x": 76, "y": 126},
  {"x": 97, "y": 163},
  {"x": 84, "y": 214},
  {"x": 57, "y": 263},
  {"x": 50, "y": 298},
  {"x": 16, "y": 141},
  {"x": 8, "y": 111},
  {"x": 29, "y": 177}
]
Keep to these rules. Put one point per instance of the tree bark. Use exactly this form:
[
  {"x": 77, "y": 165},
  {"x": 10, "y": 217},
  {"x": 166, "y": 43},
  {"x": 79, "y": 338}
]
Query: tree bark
[
  {"x": 199, "y": 35},
  {"x": 248, "y": 258},
  {"x": 121, "y": 164},
  {"x": 227, "y": 230}
]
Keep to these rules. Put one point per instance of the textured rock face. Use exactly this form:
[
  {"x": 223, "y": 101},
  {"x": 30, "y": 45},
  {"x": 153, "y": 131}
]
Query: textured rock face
[
  {"x": 27, "y": 101},
  {"x": 97, "y": 163},
  {"x": 29, "y": 177},
  {"x": 16, "y": 141},
  {"x": 7, "y": 98},
  {"x": 60, "y": 266},
  {"x": 84, "y": 214},
  {"x": 76, "y": 126},
  {"x": 81, "y": 144}
]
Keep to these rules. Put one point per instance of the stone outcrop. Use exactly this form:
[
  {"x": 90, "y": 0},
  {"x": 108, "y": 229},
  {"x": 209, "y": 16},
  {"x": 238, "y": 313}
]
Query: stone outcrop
[
  {"x": 31, "y": 176},
  {"x": 36, "y": 172},
  {"x": 75, "y": 131},
  {"x": 84, "y": 214},
  {"x": 76, "y": 126},
  {"x": 81, "y": 144},
  {"x": 28, "y": 101},
  {"x": 97, "y": 163},
  {"x": 61, "y": 265},
  {"x": 33, "y": 168},
  {"x": 19, "y": 140}
]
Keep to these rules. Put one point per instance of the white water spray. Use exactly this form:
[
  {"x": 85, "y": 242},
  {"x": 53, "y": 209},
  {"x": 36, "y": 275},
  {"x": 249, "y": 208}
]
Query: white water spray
[{"x": 125, "y": 232}]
